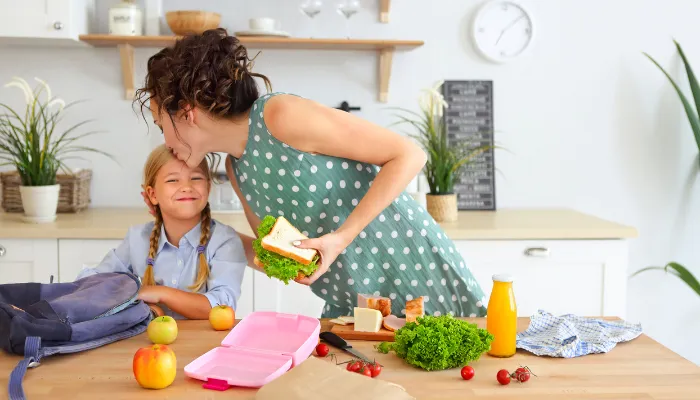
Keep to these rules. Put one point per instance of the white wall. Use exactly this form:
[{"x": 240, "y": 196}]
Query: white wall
[{"x": 589, "y": 122}]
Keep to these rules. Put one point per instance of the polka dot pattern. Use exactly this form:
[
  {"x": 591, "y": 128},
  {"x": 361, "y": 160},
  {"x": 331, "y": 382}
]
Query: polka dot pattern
[{"x": 402, "y": 254}]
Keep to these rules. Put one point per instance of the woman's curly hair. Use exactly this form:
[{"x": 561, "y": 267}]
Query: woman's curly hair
[{"x": 211, "y": 71}]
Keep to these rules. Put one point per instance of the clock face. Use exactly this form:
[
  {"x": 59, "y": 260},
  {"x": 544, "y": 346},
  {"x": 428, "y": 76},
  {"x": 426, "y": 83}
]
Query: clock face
[{"x": 502, "y": 30}]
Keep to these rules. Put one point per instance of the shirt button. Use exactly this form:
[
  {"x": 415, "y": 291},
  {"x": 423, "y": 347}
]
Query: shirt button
[
  {"x": 174, "y": 281},
  {"x": 179, "y": 262}
]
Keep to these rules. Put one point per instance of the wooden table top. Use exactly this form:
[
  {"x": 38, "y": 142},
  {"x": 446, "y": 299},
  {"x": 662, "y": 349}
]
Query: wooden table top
[{"x": 640, "y": 369}]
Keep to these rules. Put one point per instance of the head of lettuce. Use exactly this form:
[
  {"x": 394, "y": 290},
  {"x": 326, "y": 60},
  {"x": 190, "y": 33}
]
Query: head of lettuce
[{"x": 275, "y": 254}]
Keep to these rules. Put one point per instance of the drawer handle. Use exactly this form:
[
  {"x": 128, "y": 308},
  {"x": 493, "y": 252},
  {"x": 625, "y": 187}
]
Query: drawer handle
[
  {"x": 2, "y": 251},
  {"x": 537, "y": 252}
]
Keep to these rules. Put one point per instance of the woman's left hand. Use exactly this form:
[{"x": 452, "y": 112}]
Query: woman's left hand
[
  {"x": 329, "y": 246},
  {"x": 150, "y": 294}
]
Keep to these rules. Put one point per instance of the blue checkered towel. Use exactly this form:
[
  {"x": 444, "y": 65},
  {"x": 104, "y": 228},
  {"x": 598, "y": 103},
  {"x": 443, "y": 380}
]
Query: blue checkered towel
[{"x": 572, "y": 336}]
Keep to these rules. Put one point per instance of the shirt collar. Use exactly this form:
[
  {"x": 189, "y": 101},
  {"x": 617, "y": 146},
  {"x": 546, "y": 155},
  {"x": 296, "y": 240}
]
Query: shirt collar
[{"x": 192, "y": 237}]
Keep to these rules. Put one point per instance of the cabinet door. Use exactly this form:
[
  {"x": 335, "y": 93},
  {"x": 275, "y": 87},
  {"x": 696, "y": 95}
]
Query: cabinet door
[
  {"x": 273, "y": 295},
  {"x": 583, "y": 277},
  {"x": 78, "y": 254},
  {"x": 27, "y": 260},
  {"x": 43, "y": 18}
]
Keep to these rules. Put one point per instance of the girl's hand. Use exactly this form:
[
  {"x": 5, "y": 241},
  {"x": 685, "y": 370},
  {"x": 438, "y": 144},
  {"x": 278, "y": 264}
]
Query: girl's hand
[
  {"x": 150, "y": 294},
  {"x": 329, "y": 246},
  {"x": 151, "y": 208},
  {"x": 156, "y": 310}
]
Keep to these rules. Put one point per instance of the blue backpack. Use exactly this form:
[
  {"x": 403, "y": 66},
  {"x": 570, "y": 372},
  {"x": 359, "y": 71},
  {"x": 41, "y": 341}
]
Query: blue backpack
[{"x": 38, "y": 319}]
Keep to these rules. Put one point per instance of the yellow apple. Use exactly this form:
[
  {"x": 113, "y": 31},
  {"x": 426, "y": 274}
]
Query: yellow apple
[
  {"x": 162, "y": 330},
  {"x": 222, "y": 317}
]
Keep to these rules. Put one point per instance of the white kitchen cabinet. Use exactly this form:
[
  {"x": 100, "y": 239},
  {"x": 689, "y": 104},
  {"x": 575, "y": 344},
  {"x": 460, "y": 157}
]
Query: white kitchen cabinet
[
  {"x": 44, "y": 19},
  {"x": 28, "y": 260},
  {"x": 582, "y": 277},
  {"x": 76, "y": 254},
  {"x": 273, "y": 295}
]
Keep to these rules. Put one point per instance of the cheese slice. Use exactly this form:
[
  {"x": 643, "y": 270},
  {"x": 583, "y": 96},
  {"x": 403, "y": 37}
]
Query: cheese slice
[
  {"x": 338, "y": 321},
  {"x": 348, "y": 319},
  {"x": 367, "y": 320}
]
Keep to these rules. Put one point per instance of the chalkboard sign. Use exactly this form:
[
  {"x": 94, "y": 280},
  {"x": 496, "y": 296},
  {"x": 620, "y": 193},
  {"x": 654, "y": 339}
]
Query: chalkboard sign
[{"x": 469, "y": 121}]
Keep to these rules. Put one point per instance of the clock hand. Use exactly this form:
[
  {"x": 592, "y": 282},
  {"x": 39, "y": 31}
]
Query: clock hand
[{"x": 508, "y": 27}]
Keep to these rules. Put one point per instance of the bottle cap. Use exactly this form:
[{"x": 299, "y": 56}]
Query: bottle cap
[{"x": 503, "y": 278}]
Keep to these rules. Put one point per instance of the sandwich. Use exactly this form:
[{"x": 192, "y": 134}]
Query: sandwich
[{"x": 277, "y": 256}]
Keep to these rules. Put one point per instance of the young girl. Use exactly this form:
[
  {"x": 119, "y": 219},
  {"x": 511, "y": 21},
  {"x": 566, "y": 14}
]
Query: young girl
[{"x": 187, "y": 261}]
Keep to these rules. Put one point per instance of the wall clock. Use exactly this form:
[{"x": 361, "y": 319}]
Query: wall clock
[{"x": 502, "y": 30}]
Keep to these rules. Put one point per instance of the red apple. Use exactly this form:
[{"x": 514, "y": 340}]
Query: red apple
[
  {"x": 222, "y": 317},
  {"x": 155, "y": 366},
  {"x": 162, "y": 330}
]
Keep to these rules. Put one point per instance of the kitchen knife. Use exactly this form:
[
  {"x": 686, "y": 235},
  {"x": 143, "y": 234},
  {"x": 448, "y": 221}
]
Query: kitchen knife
[{"x": 336, "y": 341}]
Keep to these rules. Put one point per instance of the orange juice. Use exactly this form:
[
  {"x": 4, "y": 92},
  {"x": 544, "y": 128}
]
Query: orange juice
[{"x": 502, "y": 316}]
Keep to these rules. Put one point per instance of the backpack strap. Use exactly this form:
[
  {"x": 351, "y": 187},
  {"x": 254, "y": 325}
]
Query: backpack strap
[{"x": 32, "y": 356}]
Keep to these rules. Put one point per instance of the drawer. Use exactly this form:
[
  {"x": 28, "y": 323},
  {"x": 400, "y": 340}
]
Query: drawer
[{"x": 584, "y": 277}]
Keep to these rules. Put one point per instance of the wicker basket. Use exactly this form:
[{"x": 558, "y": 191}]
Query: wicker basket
[
  {"x": 442, "y": 207},
  {"x": 73, "y": 197}
]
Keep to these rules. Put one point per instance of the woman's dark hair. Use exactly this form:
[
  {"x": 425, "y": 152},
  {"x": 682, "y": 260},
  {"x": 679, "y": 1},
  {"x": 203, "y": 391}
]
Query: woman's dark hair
[{"x": 211, "y": 71}]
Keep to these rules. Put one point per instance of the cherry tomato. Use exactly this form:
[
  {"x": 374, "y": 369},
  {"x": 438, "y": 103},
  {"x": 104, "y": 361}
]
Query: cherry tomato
[
  {"x": 522, "y": 374},
  {"x": 467, "y": 372},
  {"x": 375, "y": 368},
  {"x": 354, "y": 366},
  {"x": 366, "y": 372},
  {"x": 503, "y": 377},
  {"x": 322, "y": 349}
]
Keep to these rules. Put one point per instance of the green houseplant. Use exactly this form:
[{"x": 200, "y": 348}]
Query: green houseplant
[
  {"x": 32, "y": 143},
  {"x": 445, "y": 159},
  {"x": 692, "y": 111}
]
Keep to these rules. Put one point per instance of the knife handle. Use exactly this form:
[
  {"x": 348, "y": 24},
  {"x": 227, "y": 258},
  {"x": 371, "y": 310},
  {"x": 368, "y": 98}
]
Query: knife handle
[{"x": 334, "y": 340}]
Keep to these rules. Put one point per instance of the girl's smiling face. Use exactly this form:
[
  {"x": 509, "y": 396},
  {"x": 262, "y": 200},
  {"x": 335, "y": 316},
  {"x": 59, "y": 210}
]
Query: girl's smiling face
[{"x": 180, "y": 191}]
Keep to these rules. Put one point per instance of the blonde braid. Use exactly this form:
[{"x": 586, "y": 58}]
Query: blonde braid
[
  {"x": 203, "y": 269},
  {"x": 148, "y": 276}
]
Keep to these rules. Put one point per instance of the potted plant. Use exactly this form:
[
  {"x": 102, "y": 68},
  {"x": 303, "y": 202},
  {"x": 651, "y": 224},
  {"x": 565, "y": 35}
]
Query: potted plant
[
  {"x": 693, "y": 114},
  {"x": 445, "y": 159},
  {"x": 32, "y": 142}
]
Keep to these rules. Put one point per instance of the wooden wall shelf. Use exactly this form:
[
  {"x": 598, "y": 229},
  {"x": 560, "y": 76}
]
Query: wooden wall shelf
[{"x": 384, "y": 48}]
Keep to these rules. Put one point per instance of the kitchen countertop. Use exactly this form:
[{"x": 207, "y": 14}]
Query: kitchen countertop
[
  {"x": 639, "y": 369},
  {"x": 505, "y": 224}
]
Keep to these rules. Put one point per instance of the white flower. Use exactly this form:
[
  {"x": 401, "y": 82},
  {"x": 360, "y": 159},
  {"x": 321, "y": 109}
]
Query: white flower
[
  {"x": 24, "y": 86},
  {"x": 432, "y": 101},
  {"x": 46, "y": 86}
]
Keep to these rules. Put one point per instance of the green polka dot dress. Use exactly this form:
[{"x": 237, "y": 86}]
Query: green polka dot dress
[{"x": 402, "y": 254}]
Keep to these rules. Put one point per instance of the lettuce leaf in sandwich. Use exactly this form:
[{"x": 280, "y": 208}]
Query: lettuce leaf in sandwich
[{"x": 276, "y": 265}]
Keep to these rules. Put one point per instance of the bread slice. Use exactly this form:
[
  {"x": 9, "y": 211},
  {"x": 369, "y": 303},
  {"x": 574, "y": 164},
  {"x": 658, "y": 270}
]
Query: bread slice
[
  {"x": 414, "y": 309},
  {"x": 379, "y": 303},
  {"x": 280, "y": 240}
]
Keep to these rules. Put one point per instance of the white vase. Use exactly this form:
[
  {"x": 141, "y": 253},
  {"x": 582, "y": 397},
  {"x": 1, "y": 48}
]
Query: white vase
[{"x": 40, "y": 203}]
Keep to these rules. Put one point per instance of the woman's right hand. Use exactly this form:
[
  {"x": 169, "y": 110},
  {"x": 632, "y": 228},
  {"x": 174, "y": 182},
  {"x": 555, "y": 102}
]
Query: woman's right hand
[{"x": 151, "y": 208}]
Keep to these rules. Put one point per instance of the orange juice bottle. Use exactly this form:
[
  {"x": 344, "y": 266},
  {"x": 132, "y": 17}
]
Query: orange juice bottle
[{"x": 502, "y": 316}]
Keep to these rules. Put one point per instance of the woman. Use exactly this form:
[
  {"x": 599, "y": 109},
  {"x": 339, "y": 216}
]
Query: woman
[{"x": 316, "y": 166}]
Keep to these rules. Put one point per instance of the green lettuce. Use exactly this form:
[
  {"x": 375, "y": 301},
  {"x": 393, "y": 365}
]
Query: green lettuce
[
  {"x": 275, "y": 265},
  {"x": 437, "y": 343}
]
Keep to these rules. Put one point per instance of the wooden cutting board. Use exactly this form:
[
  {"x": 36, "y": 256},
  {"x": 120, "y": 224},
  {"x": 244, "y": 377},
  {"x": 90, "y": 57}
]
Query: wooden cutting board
[{"x": 348, "y": 332}]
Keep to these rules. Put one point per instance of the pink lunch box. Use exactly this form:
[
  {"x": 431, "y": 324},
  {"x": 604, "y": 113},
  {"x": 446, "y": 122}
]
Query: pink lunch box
[{"x": 260, "y": 348}]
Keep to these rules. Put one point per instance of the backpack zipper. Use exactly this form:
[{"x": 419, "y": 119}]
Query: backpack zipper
[{"x": 123, "y": 305}]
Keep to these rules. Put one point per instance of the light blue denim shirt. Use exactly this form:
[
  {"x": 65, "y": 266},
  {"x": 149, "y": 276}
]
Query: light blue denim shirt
[{"x": 176, "y": 267}]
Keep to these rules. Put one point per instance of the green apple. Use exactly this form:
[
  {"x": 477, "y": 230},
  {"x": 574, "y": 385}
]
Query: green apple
[{"x": 162, "y": 330}]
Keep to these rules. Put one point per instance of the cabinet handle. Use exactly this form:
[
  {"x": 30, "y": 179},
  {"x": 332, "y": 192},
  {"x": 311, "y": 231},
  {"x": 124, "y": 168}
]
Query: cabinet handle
[
  {"x": 2, "y": 251},
  {"x": 58, "y": 25},
  {"x": 537, "y": 252}
]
